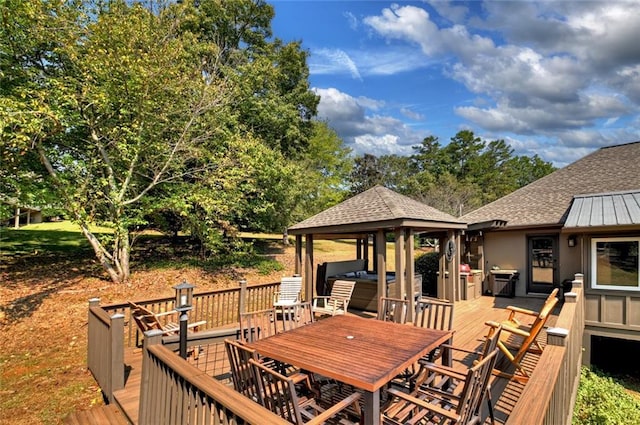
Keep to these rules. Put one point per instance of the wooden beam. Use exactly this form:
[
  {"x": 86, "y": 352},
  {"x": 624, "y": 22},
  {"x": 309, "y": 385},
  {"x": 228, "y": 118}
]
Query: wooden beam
[
  {"x": 401, "y": 287},
  {"x": 381, "y": 261},
  {"x": 410, "y": 272},
  {"x": 308, "y": 268}
]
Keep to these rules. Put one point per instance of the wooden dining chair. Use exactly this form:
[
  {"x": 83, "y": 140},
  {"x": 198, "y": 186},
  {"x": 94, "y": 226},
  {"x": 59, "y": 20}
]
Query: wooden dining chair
[
  {"x": 242, "y": 374},
  {"x": 295, "y": 315},
  {"x": 241, "y": 371},
  {"x": 518, "y": 339},
  {"x": 393, "y": 310},
  {"x": 255, "y": 325},
  {"x": 432, "y": 313},
  {"x": 446, "y": 379},
  {"x": 427, "y": 406},
  {"x": 337, "y": 301},
  {"x": 278, "y": 394}
]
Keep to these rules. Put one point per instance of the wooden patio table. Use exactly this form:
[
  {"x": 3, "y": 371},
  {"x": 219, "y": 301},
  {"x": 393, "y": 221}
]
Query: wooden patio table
[{"x": 365, "y": 353}]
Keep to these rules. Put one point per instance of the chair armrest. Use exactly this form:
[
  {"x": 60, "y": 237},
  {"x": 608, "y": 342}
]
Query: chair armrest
[
  {"x": 509, "y": 328},
  {"x": 442, "y": 370},
  {"x": 463, "y": 350},
  {"x": 196, "y": 324},
  {"x": 424, "y": 404},
  {"x": 320, "y": 297},
  {"x": 165, "y": 313},
  {"x": 331, "y": 411},
  {"x": 513, "y": 310}
]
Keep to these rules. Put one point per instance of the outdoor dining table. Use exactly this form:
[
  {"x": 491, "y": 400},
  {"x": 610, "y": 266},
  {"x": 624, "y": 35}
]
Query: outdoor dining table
[{"x": 365, "y": 353}]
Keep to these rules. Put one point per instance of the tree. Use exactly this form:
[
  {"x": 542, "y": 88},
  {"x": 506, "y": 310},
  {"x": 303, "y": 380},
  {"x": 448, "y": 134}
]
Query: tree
[
  {"x": 183, "y": 113},
  {"x": 325, "y": 168},
  {"x": 113, "y": 102}
]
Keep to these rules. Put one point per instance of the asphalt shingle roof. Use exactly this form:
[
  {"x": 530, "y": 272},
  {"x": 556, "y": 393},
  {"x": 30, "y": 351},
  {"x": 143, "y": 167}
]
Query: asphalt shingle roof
[
  {"x": 377, "y": 204},
  {"x": 547, "y": 200}
]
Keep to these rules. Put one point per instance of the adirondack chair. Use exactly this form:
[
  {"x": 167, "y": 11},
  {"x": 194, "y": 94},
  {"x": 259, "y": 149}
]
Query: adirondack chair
[
  {"x": 278, "y": 394},
  {"x": 147, "y": 320},
  {"x": 427, "y": 406},
  {"x": 525, "y": 337},
  {"x": 289, "y": 292},
  {"x": 337, "y": 301},
  {"x": 392, "y": 310}
]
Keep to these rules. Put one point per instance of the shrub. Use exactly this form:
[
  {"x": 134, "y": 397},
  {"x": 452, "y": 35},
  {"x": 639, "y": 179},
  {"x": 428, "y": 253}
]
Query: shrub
[
  {"x": 602, "y": 400},
  {"x": 427, "y": 266}
]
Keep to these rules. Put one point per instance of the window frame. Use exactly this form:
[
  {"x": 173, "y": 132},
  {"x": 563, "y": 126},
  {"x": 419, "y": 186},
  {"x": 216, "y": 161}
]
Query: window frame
[{"x": 594, "y": 263}]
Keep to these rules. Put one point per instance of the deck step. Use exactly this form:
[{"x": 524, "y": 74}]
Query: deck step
[{"x": 98, "y": 415}]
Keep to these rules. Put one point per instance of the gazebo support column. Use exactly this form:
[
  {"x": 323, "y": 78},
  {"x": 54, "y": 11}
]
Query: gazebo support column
[
  {"x": 381, "y": 263},
  {"x": 401, "y": 284},
  {"x": 308, "y": 268},
  {"x": 298, "y": 259},
  {"x": 410, "y": 272}
]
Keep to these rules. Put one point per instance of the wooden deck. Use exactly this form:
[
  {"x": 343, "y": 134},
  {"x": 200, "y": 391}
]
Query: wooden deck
[{"x": 469, "y": 319}]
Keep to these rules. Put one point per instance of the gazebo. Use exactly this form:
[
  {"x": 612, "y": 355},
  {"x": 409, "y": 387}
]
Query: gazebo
[{"x": 375, "y": 213}]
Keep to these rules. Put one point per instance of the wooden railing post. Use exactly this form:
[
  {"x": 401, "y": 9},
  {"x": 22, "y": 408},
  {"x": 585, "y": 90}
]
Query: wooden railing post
[
  {"x": 150, "y": 338},
  {"x": 105, "y": 348},
  {"x": 117, "y": 352},
  {"x": 242, "y": 304}
]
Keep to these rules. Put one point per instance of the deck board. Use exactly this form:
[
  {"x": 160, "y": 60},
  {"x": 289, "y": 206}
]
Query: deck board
[{"x": 469, "y": 319}]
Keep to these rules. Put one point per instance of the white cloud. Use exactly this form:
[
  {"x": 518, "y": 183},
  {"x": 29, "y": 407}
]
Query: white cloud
[
  {"x": 361, "y": 130},
  {"x": 554, "y": 69}
]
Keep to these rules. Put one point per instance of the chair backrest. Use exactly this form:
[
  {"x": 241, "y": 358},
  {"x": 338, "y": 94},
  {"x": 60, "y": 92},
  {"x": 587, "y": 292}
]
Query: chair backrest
[
  {"x": 537, "y": 325},
  {"x": 277, "y": 392},
  {"x": 434, "y": 314},
  {"x": 255, "y": 325},
  {"x": 144, "y": 318},
  {"x": 475, "y": 386},
  {"x": 295, "y": 315},
  {"x": 242, "y": 374},
  {"x": 393, "y": 309},
  {"x": 289, "y": 292},
  {"x": 342, "y": 289}
]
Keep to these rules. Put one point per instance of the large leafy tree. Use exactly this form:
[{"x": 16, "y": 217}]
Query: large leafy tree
[
  {"x": 118, "y": 110},
  {"x": 113, "y": 102}
]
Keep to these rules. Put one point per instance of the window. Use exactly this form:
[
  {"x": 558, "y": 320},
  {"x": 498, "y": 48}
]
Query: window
[{"x": 615, "y": 263}]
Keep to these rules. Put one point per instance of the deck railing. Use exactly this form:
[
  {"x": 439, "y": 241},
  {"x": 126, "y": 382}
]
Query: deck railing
[
  {"x": 111, "y": 328},
  {"x": 174, "y": 392},
  {"x": 105, "y": 351},
  {"x": 549, "y": 396},
  {"x": 218, "y": 308}
]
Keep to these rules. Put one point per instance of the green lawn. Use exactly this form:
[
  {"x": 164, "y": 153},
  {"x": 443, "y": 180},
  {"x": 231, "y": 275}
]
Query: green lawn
[{"x": 57, "y": 237}]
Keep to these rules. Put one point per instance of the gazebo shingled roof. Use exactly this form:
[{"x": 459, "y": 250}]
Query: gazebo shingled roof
[{"x": 377, "y": 208}]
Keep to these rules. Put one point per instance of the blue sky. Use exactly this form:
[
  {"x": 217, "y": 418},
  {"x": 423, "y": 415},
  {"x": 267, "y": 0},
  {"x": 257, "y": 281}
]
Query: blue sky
[{"x": 558, "y": 79}]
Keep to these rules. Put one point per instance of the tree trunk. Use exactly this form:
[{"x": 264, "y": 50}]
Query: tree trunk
[{"x": 117, "y": 268}]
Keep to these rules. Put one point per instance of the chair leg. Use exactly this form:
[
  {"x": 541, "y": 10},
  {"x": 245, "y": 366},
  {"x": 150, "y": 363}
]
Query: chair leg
[{"x": 491, "y": 414}]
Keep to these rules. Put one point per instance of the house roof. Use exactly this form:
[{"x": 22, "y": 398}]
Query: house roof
[
  {"x": 377, "y": 208},
  {"x": 546, "y": 201},
  {"x": 605, "y": 209}
]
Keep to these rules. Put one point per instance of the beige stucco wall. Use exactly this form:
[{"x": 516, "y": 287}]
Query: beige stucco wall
[{"x": 508, "y": 250}]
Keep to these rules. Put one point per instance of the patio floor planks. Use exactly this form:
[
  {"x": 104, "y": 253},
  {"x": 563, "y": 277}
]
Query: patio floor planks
[{"x": 469, "y": 319}]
